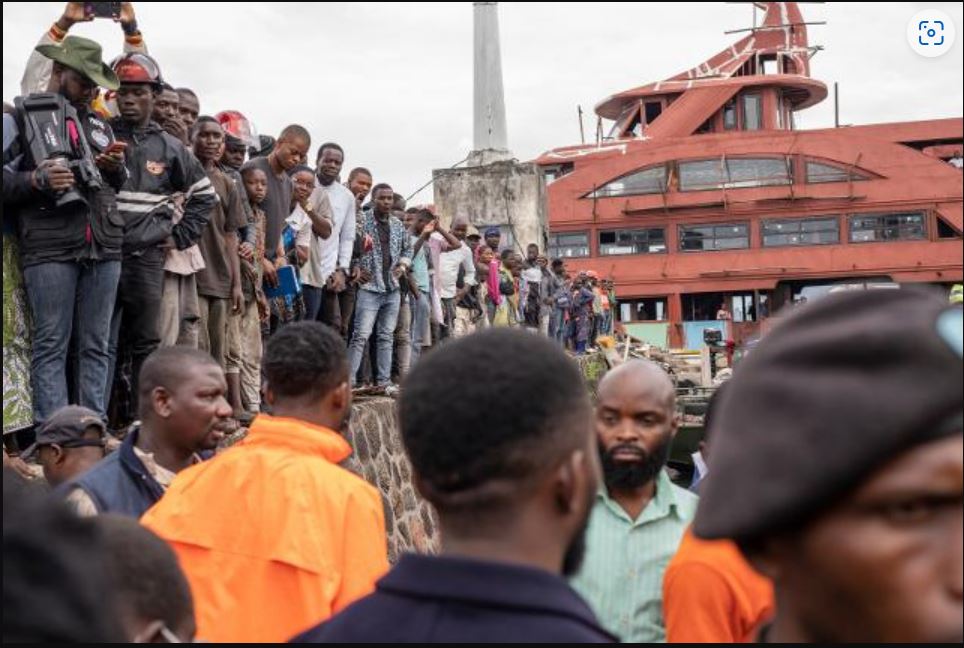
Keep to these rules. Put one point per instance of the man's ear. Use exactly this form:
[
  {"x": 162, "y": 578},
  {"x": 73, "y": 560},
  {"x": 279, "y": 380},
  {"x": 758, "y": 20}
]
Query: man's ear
[
  {"x": 341, "y": 397},
  {"x": 59, "y": 456},
  {"x": 161, "y": 402},
  {"x": 573, "y": 480}
]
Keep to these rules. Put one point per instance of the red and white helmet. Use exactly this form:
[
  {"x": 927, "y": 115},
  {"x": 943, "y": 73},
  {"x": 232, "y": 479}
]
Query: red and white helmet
[
  {"x": 239, "y": 127},
  {"x": 137, "y": 67}
]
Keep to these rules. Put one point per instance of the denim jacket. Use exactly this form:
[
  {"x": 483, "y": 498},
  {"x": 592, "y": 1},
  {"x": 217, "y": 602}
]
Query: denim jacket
[{"x": 400, "y": 251}]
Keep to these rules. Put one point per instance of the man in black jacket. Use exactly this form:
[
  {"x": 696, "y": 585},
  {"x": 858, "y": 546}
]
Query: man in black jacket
[
  {"x": 159, "y": 167},
  {"x": 71, "y": 251}
]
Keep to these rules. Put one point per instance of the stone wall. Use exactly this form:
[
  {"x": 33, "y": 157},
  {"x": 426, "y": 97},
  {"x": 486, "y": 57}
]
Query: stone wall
[
  {"x": 379, "y": 458},
  {"x": 508, "y": 193}
]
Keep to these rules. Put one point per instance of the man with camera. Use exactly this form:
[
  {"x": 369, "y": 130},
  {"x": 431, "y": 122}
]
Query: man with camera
[{"x": 62, "y": 189}]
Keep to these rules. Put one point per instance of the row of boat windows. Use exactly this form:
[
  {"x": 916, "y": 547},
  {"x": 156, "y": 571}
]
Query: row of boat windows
[
  {"x": 820, "y": 230},
  {"x": 721, "y": 173}
]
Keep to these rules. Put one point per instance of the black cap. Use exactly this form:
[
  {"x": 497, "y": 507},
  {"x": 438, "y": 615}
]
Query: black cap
[
  {"x": 828, "y": 397},
  {"x": 66, "y": 428}
]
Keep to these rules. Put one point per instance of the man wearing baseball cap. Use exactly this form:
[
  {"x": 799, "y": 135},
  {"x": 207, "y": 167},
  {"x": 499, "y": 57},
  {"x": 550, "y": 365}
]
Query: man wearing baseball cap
[
  {"x": 493, "y": 238},
  {"x": 838, "y": 469},
  {"x": 69, "y": 443}
]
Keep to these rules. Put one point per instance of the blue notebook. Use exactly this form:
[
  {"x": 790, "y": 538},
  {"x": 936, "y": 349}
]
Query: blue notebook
[{"x": 288, "y": 284}]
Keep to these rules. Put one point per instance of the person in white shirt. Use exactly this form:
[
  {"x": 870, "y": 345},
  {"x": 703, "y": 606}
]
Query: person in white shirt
[
  {"x": 326, "y": 273},
  {"x": 453, "y": 265}
]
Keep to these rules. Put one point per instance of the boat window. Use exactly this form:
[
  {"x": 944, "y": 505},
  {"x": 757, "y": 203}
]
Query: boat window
[
  {"x": 818, "y": 172},
  {"x": 887, "y": 227},
  {"x": 645, "y": 181},
  {"x": 736, "y": 173},
  {"x": 752, "y": 117},
  {"x": 566, "y": 245},
  {"x": 820, "y": 230},
  {"x": 632, "y": 241},
  {"x": 729, "y": 236}
]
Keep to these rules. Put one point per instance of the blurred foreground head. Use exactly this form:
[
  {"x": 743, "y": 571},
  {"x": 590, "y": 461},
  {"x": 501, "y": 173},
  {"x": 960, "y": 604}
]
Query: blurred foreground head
[
  {"x": 838, "y": 466},
  {"x": 498, "y": 429}
]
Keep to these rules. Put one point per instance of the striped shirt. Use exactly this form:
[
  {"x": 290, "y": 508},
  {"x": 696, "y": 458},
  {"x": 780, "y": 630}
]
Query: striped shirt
[{"x": 622, "y": 573}]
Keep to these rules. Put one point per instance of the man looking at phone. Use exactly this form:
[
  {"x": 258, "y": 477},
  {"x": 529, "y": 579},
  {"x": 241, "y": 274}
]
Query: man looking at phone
[
  {"x": 160, "y": 168},
  {"x": 70, "y": 233}
]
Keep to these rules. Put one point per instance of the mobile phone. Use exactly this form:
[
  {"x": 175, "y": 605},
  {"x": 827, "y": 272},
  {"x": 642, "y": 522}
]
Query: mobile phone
[
  {"x": 116, "y": 147},
  {"x": 103, "y": 9}
]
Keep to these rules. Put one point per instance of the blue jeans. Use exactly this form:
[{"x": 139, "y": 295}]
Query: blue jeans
[
  {"x": 421, "y": 314},
  {"x": 376, "y": 312},
  {"x": 557, "y": 326},
  {"x": 70, "y": 298}
]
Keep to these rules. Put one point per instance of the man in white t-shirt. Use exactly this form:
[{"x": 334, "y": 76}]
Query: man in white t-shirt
[
  {"x": 326, "y": 273},
  {"x": 451, "y": 265}
]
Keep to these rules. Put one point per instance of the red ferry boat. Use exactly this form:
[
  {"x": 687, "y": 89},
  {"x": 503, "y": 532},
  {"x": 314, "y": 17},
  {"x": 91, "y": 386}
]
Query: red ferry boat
[{"x": 710, "y": 209}]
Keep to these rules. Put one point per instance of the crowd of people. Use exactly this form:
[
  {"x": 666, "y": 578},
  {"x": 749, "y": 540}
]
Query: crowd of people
[
  {"x": 188, "y": 289},
  {"x": 200, "y": 233}
]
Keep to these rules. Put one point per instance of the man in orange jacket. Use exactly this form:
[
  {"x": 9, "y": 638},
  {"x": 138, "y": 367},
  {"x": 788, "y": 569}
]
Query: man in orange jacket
[
  {"x": 273, "y": 535},
  {"x": 711, "y": 594}
]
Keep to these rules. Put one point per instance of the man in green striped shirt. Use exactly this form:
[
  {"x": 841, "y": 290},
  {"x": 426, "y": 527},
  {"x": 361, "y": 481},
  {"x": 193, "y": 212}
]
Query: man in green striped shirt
[{"x": 639, "y": 515}]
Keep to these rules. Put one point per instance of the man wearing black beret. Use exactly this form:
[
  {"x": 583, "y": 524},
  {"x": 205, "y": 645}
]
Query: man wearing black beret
[{"x": 838, "y": 468}]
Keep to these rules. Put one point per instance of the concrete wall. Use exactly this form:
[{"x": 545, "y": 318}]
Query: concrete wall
[{"x": 501, "y": 193}]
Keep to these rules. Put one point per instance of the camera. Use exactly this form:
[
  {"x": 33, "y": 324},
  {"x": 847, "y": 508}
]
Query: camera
[
  {"x": 52, "y": 131},
  {"x": 712, "y": 337}
]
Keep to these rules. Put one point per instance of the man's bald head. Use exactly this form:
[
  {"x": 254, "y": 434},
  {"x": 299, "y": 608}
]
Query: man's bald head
[
  {"x": 168, "y": 368},
  {"x": 640, "y": 377},
  {"x": 635, "y": 423}
]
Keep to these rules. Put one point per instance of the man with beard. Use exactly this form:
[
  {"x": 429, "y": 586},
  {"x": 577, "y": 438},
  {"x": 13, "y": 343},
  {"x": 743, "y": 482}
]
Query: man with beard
[
  {"x": 182, "y": 412},
  {"x": 513, "y": 489},
  {"x": 273, "y": 534},
  {"x": 640, "y": 515},
  {"x": 69, "y": 233}
]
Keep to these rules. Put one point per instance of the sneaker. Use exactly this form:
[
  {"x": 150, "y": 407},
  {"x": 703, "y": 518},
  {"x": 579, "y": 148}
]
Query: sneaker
[{"x": 392, "y": 390}]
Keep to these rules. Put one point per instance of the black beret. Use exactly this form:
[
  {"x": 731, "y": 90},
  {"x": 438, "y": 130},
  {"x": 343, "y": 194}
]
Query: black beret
[{"x": 828, "y": 396}]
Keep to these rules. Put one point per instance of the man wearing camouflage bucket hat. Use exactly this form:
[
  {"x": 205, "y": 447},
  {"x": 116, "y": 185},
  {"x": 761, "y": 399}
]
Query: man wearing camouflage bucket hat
[
  {"x": 838, "y": 468},
  {"x": 69, "y": 229}
]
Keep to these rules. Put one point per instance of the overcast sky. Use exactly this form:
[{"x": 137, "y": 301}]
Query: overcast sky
[{"x": 392, "y": 83}]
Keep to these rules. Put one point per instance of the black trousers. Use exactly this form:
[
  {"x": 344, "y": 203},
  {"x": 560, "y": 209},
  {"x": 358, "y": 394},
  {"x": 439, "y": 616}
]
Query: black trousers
[{"x": 135, "y": 327}]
